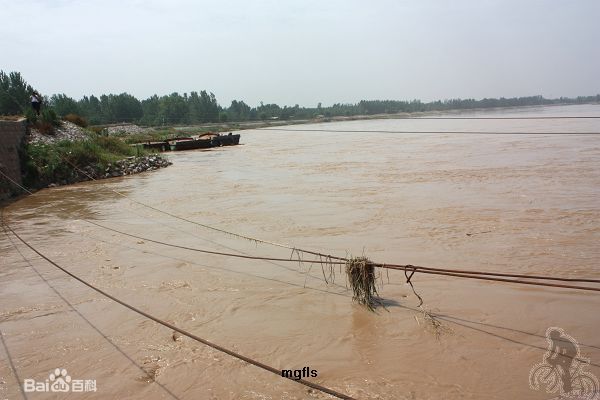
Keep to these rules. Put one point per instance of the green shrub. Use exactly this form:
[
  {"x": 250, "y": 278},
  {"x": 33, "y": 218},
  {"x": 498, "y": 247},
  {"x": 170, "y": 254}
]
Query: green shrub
[
  {"x": 46, "y": 122},
  {"x": 42, "y": 164},
  {"x": 47, "y": 115},
  {"x": 31, "y": 116},
  {"x": 114, "y": 145}
]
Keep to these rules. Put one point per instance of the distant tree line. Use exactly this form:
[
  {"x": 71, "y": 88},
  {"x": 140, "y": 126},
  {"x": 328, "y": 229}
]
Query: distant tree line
[{"x": 202, "y": 107}]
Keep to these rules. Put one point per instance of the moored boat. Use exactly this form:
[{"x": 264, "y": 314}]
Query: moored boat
[
  {"x": 189, "y": 144},
  {"x": 226, "y": 140},
  {"x": 204, "y": 141},
  {"x": 160, "y": 146}
]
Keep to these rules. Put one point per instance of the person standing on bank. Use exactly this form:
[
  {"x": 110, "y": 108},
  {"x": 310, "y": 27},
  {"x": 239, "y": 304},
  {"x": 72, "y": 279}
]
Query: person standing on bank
[{"x": 36, "y": 102}]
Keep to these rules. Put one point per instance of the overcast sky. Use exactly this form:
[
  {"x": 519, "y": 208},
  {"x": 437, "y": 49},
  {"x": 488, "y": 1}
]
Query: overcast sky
[{"x": 305, "y": 52}]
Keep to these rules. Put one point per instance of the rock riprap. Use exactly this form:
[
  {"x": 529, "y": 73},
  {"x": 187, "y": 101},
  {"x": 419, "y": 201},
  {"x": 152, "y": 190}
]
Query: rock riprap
[
  {"x": 127, "y": 166},
  {"x": 135, "y": 165}
]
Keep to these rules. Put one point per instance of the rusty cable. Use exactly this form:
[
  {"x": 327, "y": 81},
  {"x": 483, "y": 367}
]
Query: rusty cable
[
  {"x": 180, "y": 330},
  {"x": 481, "y": 275}
]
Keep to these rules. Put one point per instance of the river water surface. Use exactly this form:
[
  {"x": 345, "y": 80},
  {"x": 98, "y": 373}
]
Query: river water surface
[{"x": 517, "y": 203}]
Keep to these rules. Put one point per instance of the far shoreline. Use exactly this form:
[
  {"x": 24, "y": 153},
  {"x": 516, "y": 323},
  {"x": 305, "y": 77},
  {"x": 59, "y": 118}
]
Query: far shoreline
[{"x": 250, "y": 125}]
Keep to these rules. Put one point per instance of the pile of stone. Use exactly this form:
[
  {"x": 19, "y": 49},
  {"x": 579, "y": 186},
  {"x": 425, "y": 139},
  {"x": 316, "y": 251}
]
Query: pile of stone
[
  {"x": 125, "y": 129},
  {"x": 66, "y": 130},
  {"x": 127, "y": 166},
  {"x": 135, "y": 165}
]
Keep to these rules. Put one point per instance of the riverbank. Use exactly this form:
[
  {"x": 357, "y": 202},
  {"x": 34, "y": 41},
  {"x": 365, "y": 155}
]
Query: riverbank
[
  {"x": 128, "y": 166},
  {"x": 69, "y": 154},
  {"x": 95, "y": 157}
]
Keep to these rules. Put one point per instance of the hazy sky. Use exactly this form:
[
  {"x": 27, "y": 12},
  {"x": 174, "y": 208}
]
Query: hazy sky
[{"x": 305, "y": 52}]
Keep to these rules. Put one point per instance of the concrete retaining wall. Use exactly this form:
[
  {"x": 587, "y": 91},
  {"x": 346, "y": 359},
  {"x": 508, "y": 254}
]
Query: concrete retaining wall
[{"x": 12, "y": 136}]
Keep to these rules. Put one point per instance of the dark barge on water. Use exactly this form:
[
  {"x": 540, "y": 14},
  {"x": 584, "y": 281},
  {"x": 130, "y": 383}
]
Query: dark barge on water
[{"x": 204, "y": 141}]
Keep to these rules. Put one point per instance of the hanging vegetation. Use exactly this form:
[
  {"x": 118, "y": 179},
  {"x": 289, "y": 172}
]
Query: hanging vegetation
[{"x": 361, "y": 275}]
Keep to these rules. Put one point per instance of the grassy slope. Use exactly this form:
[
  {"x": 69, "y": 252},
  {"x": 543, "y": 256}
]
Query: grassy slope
[{"x": 48, "y": 163}]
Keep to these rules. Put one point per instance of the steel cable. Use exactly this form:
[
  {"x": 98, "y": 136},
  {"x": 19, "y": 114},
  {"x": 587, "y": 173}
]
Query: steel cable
[
  {"x": 480, "y": 275},
  {"x": 177, "y": 329}
]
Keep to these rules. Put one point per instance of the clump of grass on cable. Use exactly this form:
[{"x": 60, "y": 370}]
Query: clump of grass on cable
[{"x": 361, "y": 275}]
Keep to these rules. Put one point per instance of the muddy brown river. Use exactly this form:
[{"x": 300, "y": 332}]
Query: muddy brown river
[{"x": 525, "y": 204}]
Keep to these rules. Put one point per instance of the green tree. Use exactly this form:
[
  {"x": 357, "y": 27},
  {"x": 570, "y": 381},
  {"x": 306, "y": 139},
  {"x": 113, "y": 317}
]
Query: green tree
[
  {"x": 202, "y": 107},
  {"x": 14, "y": 93},
  {"x": 151, "y": 111},
  {"x": 238, "y": 111},
  {"x": 64, "y": 105},
  {"x": 173, "y": 109},
  {"x": 89, "y": 107},
  {"x": 125, "y": 108}
]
